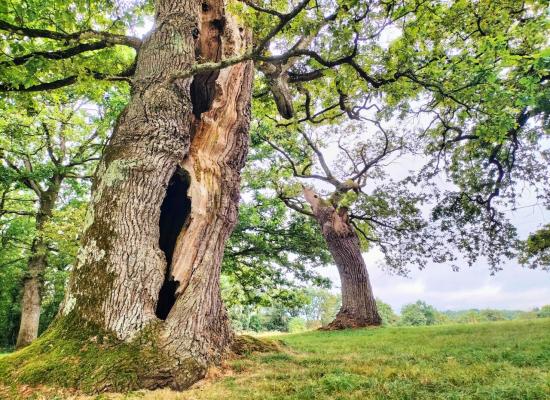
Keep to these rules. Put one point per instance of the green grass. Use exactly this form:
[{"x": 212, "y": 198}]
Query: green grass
[{"x": 504, "y": 360}]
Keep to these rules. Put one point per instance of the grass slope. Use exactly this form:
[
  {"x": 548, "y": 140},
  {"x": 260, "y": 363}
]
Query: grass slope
[{"x": 504, "y": 360}]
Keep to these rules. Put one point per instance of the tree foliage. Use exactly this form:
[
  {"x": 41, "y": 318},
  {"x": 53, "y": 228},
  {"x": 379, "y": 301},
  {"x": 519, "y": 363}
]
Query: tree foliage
[
  {"x": 460, "y": 87},
  {"x": 462, "y": 84},
  {"x": 270, "y": 252},
  {"x": 48, "y": 151},
  {"x": 419, "y": 313},
  {"x": 535, "y": 250}
]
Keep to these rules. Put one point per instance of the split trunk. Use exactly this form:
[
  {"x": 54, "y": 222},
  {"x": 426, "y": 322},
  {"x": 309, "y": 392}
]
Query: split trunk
[{"x": 165, "y": 198}]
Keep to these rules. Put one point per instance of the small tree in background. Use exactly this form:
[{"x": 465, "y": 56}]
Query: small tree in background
[
  {"x": 492, "y": 315},
  {"x": 544, "y": 312},
  {"x": 470, "y": 317},
  {"x": 389, "y": 317},
  {"x": 49, "y": 148},
  {"x": 296, "y": 325},
  {"x": 322, "y": 307},
  {"x": 419, "y": 313}
]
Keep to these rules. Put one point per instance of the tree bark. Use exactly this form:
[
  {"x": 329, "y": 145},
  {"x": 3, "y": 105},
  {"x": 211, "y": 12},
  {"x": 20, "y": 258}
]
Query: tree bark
[
  {"x": 33, "y": 282},
  {"x": 165, "y": 197},
  {"x": 358, "y": 302}
]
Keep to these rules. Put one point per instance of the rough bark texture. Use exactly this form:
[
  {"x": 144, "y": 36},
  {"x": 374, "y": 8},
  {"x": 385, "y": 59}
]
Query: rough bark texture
[
  {"x": 277, "y": 81},
  {"x": 358, "y": 302},
  {"x": 277, "y": 76},
  {"x": 177, "y": 150},
  {"x": 31, "y": 300}
]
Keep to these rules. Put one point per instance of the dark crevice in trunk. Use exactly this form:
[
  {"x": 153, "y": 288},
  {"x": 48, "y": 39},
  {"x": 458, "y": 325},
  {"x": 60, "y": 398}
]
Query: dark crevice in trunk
[
  {"x": 174, "y": 213},
  {"x": 203, "y": 86},
  {"x": 203, "y": 91}
]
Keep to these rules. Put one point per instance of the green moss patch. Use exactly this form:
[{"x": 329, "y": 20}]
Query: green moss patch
[
  {"x": 75, "y": 355},
  {"x": 245, "y": 344}
]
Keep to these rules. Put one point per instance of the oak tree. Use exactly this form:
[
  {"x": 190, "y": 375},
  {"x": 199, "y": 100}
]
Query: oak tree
[
  {"x": 165, "y": 195},
  {"x": 50, "y": 144}
]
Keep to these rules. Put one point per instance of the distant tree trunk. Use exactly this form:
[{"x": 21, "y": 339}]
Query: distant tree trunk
[
  {"x": 165, "y": 197},
  {"x": 31, "y": 300},
  {"x": 358, "y": 302}
]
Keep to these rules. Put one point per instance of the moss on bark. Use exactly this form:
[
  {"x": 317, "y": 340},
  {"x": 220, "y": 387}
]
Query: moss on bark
[{"x": 79, "y": 355}]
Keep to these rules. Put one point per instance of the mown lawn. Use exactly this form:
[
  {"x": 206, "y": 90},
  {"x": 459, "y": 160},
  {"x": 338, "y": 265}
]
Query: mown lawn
[{"x": 501, "y": 360}]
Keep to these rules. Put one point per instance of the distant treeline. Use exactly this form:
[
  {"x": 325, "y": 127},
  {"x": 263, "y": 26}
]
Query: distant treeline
[{"x": 319, "y": 306}]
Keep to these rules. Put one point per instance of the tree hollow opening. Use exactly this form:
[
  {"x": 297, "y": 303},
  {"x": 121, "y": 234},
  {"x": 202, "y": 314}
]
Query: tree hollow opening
[
  {"x": 174, "y": 213},
  {"x": 203, "y": 92}
]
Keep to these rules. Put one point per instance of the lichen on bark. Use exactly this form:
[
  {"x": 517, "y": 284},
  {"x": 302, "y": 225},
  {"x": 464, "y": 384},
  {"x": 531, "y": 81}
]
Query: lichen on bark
[{"x": 115, "y": 286}]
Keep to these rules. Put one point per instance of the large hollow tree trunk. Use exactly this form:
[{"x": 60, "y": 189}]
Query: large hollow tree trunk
[
  {"x": 358, "y": 302},
  {"x": 33, "y": 281},
  {"x": 165, "y": 199}
]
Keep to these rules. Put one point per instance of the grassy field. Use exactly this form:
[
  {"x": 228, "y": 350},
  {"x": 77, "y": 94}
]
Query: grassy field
[{"x": 501, "y": 360}]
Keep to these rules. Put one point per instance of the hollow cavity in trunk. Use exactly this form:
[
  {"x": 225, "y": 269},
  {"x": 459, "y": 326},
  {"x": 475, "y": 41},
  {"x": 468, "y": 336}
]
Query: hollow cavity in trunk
[{"x": 174, "y": 215}]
